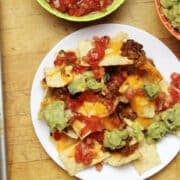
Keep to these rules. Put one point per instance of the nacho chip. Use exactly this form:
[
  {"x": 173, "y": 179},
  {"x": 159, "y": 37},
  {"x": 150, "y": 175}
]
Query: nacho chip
[
  {"x": 116, "y": 159},
  {"x": 58, "y": 77},
  {"x": 73, "y": 167},
  {"x": 112, "y": 53},
  {"x": 143, "y": 107},
  {"x": 149, "y": 158},
  {"x": 78, "y": 126}
]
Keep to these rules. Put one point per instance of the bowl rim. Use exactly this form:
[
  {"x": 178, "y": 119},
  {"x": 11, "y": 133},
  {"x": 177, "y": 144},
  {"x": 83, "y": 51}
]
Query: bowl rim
[
  {"x": 90, "y": 17},
  {"x": 165, "y": 22}
]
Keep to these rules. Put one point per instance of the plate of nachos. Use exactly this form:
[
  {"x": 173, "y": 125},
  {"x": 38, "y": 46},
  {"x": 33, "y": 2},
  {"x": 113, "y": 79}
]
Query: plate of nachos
[{"x": 105, "y": 102}]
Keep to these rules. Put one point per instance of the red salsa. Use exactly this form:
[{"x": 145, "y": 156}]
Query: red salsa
[
  {"x": 83, "y": 152},
  {"x": 79, "y": 7}
]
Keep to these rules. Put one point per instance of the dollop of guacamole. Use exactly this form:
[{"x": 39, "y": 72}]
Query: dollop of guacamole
[
  {"x": 166, "y": 122},
  {"x": 151, "y": 90},
  {"x": 56, "y": 116},
  {"x": 115, "y": 139},
  {"x": 171, "y": 9},
  {"x": 156, "y": 131},
  {"x": 84, "y": 82},
  {"x": 171, "y": 117},
  {"x": 137, "y": 132}
]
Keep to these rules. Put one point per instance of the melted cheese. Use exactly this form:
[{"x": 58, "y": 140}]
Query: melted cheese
[
  {"x": 145, "y": 122},
  {"x": 132, "y": 81},
  {"x": 108, "y": 124},
  {"x": 113, "y": 48},
  {"x": 65, "y": 142},
  {"x": 93, "y": 109},
  {"x": 143, "y": 107}
]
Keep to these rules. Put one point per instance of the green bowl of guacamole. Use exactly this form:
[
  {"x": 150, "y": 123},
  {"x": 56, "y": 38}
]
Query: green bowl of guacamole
[{"x": 89, "y": 17}]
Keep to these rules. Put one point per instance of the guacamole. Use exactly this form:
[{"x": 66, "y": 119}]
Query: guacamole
[
  {"x": 137, "y": 132},
  {"x": 165, "y": 122},
  {"x": 56, "y": 116},
  {"x": 171, "y": 117},
  {"x": 171, "y": 9},
  {"x": 115, "y": 139},
  {"x": 84, "y": 82},
  {"x": 151, "y": 90}
]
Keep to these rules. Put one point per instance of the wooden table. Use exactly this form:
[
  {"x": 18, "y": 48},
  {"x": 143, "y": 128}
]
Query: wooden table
[{"x": 28, "y": 33}]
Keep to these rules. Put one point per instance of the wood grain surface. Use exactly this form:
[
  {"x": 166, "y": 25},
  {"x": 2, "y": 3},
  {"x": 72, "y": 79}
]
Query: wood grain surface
[{"x": 28, "y": 32}]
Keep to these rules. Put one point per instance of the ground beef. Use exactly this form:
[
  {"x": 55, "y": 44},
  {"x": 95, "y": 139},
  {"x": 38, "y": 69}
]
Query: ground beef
[{"x": 133, "y": 51}]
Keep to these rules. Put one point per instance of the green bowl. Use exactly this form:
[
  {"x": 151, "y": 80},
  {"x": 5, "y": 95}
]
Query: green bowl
[{"x": 89, "y": 17}]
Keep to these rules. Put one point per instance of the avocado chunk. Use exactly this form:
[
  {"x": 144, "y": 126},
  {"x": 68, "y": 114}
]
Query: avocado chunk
[
  {"x": 156, "y": 131},
  {"x": 115, "y": 139},
  {"x": 85, "y": 81},
  {"x": 56, "y": 116},
  {"x": 151, "y": 90},
  {"x": 171, "y": 117}
]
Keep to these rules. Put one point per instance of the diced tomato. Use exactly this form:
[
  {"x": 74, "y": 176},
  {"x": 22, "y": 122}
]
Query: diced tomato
[
  {"x": 59, "y": 61},
  {"x": 98, "y": 72},
  {"x": 83, "y": 154},
  {"x": 102, "y": 42},
  {"x": 88, "y": 96},
  {"x": 68, "y": 57},
  {"x": 175, "y": 95},
  {"x": 98, "y": 136},
  {"x": 79, "y": 69},
  {"x": 56, "y": 135},
  {"x": 93, "y": 124},
  {"x": 71, "y": 57},
  {"x": 161, "y": 102},
  {"x": 96, "y": 54},
  {"x": 79, "y": 7},
  {"x": 175, "y": 79},
  {"x": 73, "y": 104}
]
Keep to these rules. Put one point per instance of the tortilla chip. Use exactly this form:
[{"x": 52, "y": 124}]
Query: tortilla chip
[
  {"x": 78, "y": 126},
  {"x": 113, "y": 60},
  {"x": 177, "y": 133},
  {"x": 149, "y": 158},
  {"x": 64, "y": 142},
  {"x": 143, "y": 107},
  {"x": 112, "y": 53},
  {"x": 58, "y": 77},
  {"x": 153, "y": 73},
  {"x": 116, "y": 159},
  {"x": 71, "y": 133},
  {"x": 73, "y": 167}
]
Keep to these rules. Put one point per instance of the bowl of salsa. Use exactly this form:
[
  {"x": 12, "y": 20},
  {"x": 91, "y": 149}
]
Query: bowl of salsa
[{"x": 80, "y": 10}]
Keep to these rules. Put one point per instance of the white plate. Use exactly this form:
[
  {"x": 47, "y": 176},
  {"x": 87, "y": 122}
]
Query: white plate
[{"x": 164, "y": 60}]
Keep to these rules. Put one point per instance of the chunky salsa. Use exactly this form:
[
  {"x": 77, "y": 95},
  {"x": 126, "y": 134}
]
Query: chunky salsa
[{"x": 79, "y": 7}]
